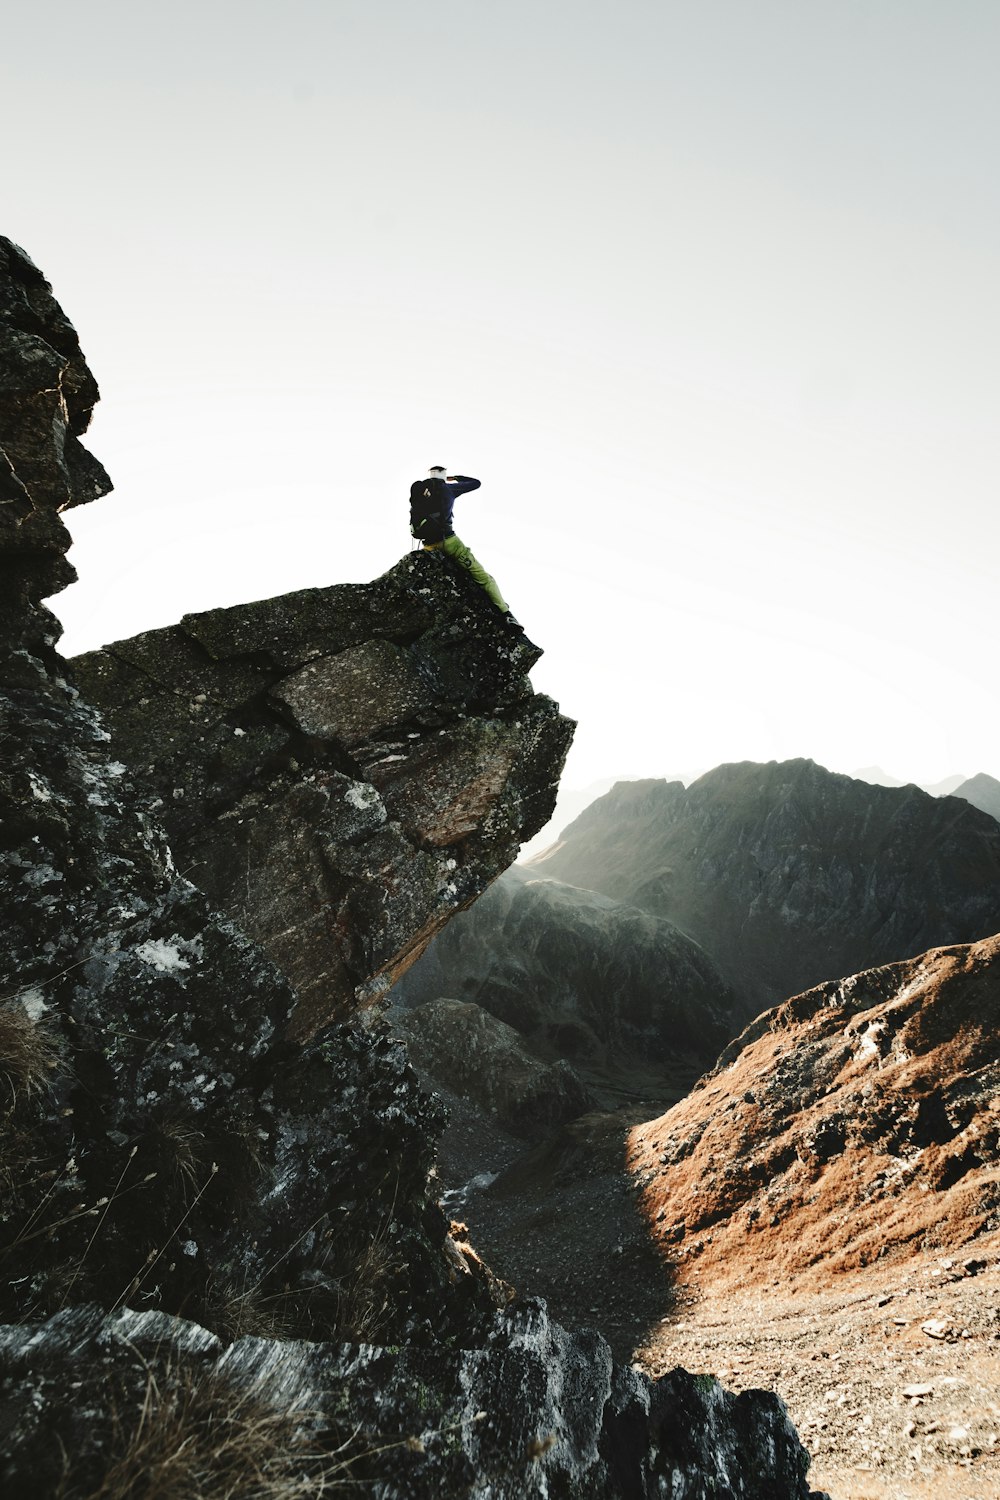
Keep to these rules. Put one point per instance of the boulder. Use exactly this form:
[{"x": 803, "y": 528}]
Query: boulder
[{"x": 467, "y": 1051}]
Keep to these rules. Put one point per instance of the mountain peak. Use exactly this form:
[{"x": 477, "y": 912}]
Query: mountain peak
[
  {"x": 787, "y": 873},
  {"x": 983, "y": 792}
]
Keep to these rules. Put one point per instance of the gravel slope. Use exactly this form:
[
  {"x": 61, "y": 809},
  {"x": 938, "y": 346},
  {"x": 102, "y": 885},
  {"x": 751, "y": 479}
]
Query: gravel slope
[{"x": 892, "y": 1378}]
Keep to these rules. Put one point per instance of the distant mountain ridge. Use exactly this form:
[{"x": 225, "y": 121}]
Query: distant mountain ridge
[
  {"x": 788, "y": 874},
  {"x": 877, "y": 777},
  {"x": 983, "y": 792},
  {"x": 572, "y": 801}
]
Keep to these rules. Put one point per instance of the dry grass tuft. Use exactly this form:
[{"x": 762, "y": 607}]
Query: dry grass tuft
[
  {"x": 179, "y": 1154},
  {"x": 29, "y": 1053},
  {"x": 252, "y": 1312},
  {"x": 365, "y": 1298},
  {"x": 357, "y": 1305},
  {"x": 195, "y": 1438}
]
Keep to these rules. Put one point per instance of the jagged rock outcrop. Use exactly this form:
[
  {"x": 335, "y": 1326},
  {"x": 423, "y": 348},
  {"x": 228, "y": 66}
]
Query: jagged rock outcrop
[
  {"x": 787, "y": 874},
  {"x": 170, "y": 1149},
  {"x": 163, "y": 1142},
  {"x": 854, "y": 1123},
  {"x": 340, "y": 769},
  {"x": 983, "y": 792},
  {"x": 48, "y": 394},
  {"x": 580, "y": 975},
  {"x": 530, "y": 1414}
]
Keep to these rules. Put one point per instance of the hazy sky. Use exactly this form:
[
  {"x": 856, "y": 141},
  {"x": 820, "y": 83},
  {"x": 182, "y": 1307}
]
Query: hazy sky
[{"x": 705, "y": 293}]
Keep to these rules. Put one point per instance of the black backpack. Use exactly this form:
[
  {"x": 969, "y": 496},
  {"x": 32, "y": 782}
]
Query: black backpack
[{"x": 428, "y": 510}]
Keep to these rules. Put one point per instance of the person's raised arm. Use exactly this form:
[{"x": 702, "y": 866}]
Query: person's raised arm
[{"x": 461, "y": 483}]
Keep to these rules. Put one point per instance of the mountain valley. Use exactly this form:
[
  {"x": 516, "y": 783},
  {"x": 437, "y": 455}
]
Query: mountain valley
[{"x": 819, "y": 1213}]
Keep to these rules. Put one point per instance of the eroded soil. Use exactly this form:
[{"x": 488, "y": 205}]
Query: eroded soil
[
  {"x": 891, "y": 1377},
  {"x": 888, "y": 1410}
]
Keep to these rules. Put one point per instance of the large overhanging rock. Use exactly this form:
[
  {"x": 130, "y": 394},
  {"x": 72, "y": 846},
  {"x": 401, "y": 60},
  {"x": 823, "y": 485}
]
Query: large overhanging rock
[
  {"x": 168, "y": 1149},
  {"x": 163, "y": 1143},
  {"x": 340, "y": 769}
]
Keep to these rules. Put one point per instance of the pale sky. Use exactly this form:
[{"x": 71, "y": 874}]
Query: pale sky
[{"x": 704, "y": 293}]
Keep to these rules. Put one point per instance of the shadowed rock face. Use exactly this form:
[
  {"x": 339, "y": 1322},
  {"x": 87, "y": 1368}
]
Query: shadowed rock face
[
  {"x": 787, "y": 874},
  {"x": 340, "y": 769},
  {"x": 581, "y": 975},
  {"x": 168, "y": 1152}
]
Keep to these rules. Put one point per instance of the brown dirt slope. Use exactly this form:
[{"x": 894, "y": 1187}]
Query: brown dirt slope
[
  {"x": 826, "y": 1204},
  {"x": 857, "y": 1122},
  {"x": 891, "y": 1375}
]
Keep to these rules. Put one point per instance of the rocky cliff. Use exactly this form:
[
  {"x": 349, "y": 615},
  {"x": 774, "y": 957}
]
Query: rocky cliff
[
  {"x": 165, "y": 1145},
  {"x": 173, "y": 1150},
  {"x": 787, "y": 874},
  {"x": 342, "y": 769}
]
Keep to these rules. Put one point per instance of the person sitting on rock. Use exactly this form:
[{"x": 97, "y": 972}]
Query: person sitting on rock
[{"x": 431, "y": 502}]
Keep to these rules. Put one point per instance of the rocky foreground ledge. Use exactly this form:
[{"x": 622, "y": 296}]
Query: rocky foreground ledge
[
  {"x": 530, "y": 1412},
  {"x": 224, "y": 1271}
]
